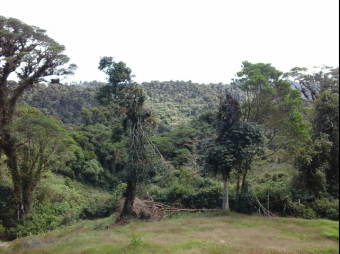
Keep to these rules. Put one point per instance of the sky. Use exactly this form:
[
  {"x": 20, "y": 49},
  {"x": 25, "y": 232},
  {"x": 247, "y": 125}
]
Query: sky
[{"x": 204, "y": 41}]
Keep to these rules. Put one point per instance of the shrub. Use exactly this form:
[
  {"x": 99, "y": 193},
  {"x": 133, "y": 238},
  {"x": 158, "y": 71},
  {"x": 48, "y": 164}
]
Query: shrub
[
  {"x": 98, "y": 209},
  {"x": 326, "y": 208},
  {"x": 307, "y": 213},
  {"x": 7, "y": 207},
  {"x": 102, "y": 208},
  {"x": 244, "y": 203},
  {"x": 208, "y": 198},
  {"x": 46, "y": 216}
]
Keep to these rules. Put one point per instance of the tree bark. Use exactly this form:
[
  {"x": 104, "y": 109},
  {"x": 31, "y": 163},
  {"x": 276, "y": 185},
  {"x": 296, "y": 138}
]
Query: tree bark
[
  {"x": 12, "y": 164},
  {"x": 130, "y": 195},
  {"x": 225, "y": 205},
  {"x": 238, "y": 182},
  {"x": 245, "y": 173}
]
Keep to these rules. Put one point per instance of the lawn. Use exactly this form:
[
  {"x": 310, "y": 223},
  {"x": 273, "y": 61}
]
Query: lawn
[{"x": 209, "y": 233}]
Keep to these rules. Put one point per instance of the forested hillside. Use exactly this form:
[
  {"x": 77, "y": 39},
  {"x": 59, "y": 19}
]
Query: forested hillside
[
  {"x": 173, "y": 103},
  {"x": 266, "y": 144},
  {"x": 63, "y": 101},
  {"x": 176, "y": 102}
]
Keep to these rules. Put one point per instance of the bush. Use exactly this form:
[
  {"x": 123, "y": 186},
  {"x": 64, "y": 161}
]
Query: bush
[
  {"x": 244, "y": 203},
  {"x": 44, "y": 217},
  {"x": 209, "y": 198},
  {"x": 326, "y": 208},
  {"x": 307, "y": 213},
  {"x": 7, "y": 207},
  {"x": 102, "y": 208},
  {"x": 98, "y": 209}
]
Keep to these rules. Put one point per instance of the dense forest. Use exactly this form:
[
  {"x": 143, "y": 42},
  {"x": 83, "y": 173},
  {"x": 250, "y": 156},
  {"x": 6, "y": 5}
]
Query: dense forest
[
  {"x": 173, "y": 103},
  {"x": 89, "y": 150}
]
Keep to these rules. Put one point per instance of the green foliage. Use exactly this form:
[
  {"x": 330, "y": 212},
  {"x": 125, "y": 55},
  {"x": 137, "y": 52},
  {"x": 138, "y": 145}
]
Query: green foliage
[
  {"x": 41, "y": 149},
  {"x": 332, "y": 232},
  {"x": 173, "y": 103},
  {"x": 272, "y": 103},
  {"x": 318, "y": 162},
  {"x": 119, "y": 75},
  {"x": 325, "y": 208},
  {"x": 236, "y": 149},
  {"x": 7, "y": 207},
  {"x": 135, "y": 241},
  {"x": 30, "y": 55},
  {"x": 127, "y": 100},
  {"x": 181, "y": 157},
  {"x": 74, "y": 105},
  {"x": 59, "y": 202},
  {"x": 44, "y": 217},
  {"x": 308, "y": 213},
  {"x": 313, "y": 84},
  {"x": 97, "y": 155},
  {"x": 205, "y": 198},
  {"x": 91, "y": 170},
  {"x": 177, "y": 102},
  {"x": 102, "y": 207},
  {"x": 244, "y": 203},
  {"x": 326, "y": 122},
  {"x": 189, "y": 190},
  {"x": 29, "y": 46},
  {"x": 112, "y": 142}
]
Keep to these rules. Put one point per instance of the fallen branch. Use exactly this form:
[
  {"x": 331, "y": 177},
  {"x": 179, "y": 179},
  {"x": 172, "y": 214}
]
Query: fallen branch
[{"x": 263, "y": 211}]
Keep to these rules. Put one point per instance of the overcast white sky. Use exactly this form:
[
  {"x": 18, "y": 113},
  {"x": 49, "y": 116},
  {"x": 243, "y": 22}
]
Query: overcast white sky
[{"x": 200, "y": 40}]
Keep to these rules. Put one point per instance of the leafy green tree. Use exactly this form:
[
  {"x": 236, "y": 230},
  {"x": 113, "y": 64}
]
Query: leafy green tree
[
  {"x": 248, "y": 142},
  {"x": 318, "y": 161},
  {"x": 272, "y": 103},
  {"x": 30, "y": 54},
  {"x": 235, "y": 147},
  {"x": 40, "y": 148}
]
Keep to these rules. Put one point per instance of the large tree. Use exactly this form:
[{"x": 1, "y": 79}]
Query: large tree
[
  {"x": 29, "y": 54},
  {"x": 318, "y": 161},
  {"x": 40, "y": 147},
  {"x": 235, "y": 147},
  {"x": 273, "y": 103},
  {"x": 127, "y": 99}
]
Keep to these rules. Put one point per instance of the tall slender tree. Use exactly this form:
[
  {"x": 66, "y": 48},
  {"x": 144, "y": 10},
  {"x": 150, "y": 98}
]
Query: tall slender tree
[{"x": 127, "y": 100}]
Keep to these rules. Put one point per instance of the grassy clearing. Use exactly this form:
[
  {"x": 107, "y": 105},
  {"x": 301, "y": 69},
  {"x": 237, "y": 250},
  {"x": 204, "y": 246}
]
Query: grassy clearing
[{"x": 215, "y": 233}]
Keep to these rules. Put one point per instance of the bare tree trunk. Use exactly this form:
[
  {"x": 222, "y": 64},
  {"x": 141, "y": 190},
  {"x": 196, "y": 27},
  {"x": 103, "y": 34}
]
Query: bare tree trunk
[
  {"x": 225, "y": 205},
  {"x": 130, "y": 195},
  {"x": 245, "y": 173},
  {"x": 238, "y": 182},
  {"x": 13, "y": 166}
]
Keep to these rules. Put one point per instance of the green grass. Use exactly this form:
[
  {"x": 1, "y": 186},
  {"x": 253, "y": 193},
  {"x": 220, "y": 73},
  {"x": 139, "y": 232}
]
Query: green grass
[
  {"x": 207, "y": 233},
  {"x": 331, "y": 232}
]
